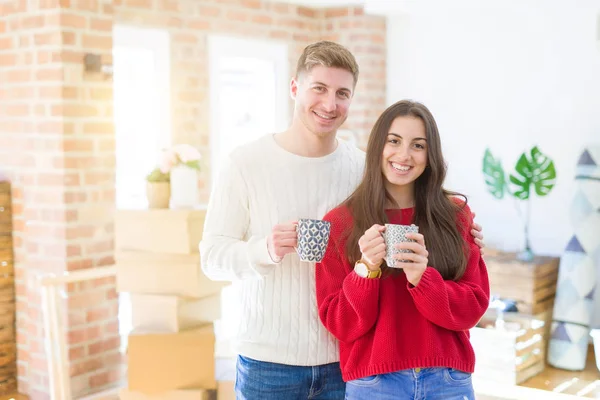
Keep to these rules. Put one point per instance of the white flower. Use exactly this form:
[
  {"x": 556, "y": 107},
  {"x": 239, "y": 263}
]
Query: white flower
[
  {"x": 186, "y": 153},
  {"x": 168, "y": 159},
  {"x": 177, "y": 155}
]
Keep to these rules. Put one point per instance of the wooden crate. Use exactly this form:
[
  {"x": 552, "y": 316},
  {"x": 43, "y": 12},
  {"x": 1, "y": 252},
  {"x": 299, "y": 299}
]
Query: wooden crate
[
  {"x": 511, "y": 353},
  {"x": 8, "y": 348},
  {"x": 531, "y": 284},
  {"x": 6, "y": 252},
  {"x": 7, "y": 273},
  {"x": 5, "y": 211},
  {"x": 8, "y": 379}
]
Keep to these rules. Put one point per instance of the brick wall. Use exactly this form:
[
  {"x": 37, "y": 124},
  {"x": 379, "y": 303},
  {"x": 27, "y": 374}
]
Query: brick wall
[
  {"x": 57, "y": 149},
  {"x": 57, "y": 142},
  {"x": 31, "y": 139},
  {"x": 89, "y": 157}
]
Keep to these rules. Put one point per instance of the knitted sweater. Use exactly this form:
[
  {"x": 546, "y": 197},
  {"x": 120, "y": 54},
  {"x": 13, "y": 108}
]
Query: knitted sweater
[
  {"x": 261, "y": 185},
  {"x": 386, "y": 325}
]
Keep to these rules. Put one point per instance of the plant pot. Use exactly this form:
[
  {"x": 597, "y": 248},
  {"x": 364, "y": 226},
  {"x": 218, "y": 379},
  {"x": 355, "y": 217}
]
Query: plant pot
[
  {"x": 158, "y": 194},
  {"x": 184, "y": 187}
]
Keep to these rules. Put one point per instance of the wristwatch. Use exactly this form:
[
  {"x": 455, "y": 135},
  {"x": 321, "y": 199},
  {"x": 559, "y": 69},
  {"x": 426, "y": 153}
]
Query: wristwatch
[{"x": 363, "y": 271}]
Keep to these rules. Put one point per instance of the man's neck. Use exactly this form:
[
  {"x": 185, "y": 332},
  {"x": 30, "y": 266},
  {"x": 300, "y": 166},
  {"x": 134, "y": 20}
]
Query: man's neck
[{"x": 299, "y": 141}]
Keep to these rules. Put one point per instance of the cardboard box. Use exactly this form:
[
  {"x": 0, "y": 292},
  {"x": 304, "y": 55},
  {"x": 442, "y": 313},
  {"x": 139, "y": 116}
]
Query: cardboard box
[
  {"x": 159, "y": 230},
  {"x": 159, "y": 313},
  {"x": 226, "y": 390},
  {"x": 160, "y": 362},
  {"x": 192, "y": 394},
  {"x": 168, "y": 274}
]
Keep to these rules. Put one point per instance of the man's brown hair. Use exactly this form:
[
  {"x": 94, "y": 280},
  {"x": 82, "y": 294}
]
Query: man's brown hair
[{"x": 328, "y": 54}]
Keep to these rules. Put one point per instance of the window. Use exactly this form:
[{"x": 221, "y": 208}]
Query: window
[
  {"x": 248, "y": 92},
  {"x": 141, "y": 60}
]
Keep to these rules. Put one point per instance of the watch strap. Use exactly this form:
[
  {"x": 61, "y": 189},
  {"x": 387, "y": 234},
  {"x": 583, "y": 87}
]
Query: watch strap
[{"x": 369, "y": 273}]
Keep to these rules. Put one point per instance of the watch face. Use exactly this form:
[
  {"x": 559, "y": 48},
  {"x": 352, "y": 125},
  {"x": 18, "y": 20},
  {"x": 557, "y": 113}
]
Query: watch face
[{"x": 362, "y": 270}]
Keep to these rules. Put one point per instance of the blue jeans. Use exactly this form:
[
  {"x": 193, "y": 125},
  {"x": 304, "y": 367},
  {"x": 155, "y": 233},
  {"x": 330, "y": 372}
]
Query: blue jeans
[
  {"x": 259, "y": 380},
  {"x": 413, "y": 384}
]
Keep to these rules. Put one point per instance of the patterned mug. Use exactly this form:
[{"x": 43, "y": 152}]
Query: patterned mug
[
  {"x": 393, "y": 235},
  {"x": 313, "y": 236}
]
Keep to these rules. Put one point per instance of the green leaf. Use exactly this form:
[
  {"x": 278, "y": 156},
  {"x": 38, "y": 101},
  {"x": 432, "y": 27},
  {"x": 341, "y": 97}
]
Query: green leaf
[
  {"x": 537, "y": 170},
  {"x": 195, "y": 164},
  {"x": 494, "y": 175},
  {"x": 544, "y": 174},
  {"x": 522, "y": 178},
  {"x": 156, "y": 175}
]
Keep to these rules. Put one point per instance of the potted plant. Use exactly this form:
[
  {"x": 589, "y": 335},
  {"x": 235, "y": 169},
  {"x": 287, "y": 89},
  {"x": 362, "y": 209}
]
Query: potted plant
[
  {"x": 183, "y": 163},
  {"x": 534, "y": 173},
  {"x": 158, "y": 189}
]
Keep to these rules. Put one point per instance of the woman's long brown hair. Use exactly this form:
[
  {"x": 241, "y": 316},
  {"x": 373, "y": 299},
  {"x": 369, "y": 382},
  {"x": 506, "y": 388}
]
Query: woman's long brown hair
[{"x": 436, "y": 212}]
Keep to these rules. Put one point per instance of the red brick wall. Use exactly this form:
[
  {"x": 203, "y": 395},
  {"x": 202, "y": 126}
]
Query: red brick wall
[
  {"x": 89, "y": 155},
  {"x": 57, "y": 149},
  {"x": 25, "y": 127},
  {"x": 57, "y": 142}
]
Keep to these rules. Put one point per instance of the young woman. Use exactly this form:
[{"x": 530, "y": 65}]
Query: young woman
[{"x": 403, "y": 329}]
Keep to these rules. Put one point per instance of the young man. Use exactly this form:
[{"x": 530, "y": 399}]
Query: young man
[{"x": 249, "y": 234}]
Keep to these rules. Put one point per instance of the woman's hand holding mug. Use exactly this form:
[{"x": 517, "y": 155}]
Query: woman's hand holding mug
[
  {"x": 372, "y": 247},
  {"x": 414, "y": 270}
]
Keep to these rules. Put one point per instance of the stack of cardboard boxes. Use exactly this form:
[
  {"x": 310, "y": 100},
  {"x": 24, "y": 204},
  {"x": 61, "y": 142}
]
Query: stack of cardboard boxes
[{"x": 171, "y": 348}]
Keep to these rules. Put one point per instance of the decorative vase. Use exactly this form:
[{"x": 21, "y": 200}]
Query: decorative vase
[
  {"x": 158, "y": 194},
  {"x": 184, "y": 187}
]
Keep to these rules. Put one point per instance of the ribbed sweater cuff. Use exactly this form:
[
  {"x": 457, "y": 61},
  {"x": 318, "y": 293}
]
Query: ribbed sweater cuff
[
  {"x": 259, "y": 257},
  {"x": 358, "y": 281},
  {"x": 427, "y": 285}
]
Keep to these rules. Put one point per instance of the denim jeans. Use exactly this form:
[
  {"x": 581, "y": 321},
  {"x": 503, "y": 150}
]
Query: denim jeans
[
  {"x": 413, "y": 384},
  {"x": 259, "y": 380}
]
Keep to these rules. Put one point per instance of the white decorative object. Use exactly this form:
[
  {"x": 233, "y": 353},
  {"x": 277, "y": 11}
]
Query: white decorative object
[
  {"x": 577, "y": 276},
  {"x": 184, "y": 187},
  {"x": 182, "y": 163}
]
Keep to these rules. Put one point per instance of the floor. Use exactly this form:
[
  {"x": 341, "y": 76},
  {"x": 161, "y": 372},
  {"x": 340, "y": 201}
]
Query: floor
[
  {"x": 23, "y": 397},
  {"x": 585, "y": 384}
]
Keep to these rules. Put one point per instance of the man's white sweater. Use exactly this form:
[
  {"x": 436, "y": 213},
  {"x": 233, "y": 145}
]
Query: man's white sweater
[{"x": 260, "y": 185}]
